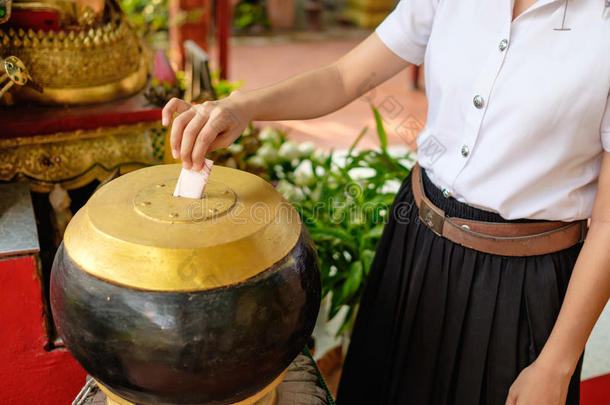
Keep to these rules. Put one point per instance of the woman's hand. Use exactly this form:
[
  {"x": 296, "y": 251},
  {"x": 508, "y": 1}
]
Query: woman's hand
[
  {"x": 539, "y": 385},
  {"x": 213, "y": 125},
  {"x": 203, "y": 128}
]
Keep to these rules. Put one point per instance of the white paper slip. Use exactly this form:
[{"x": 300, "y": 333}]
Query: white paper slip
[{"x": 191, "y": 183}]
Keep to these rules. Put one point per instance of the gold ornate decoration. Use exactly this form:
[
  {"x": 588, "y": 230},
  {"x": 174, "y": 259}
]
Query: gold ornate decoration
[
  {"x": 266, "y": 396},
  {"x": 94, "y": 65},
  {"x": 197, "y": 253},
  {"x": 74, "y": 159},
  {"x": 97, "y": 94},
  {"x": 5, "y": 10},
  {"x": 13, "y": 72}
]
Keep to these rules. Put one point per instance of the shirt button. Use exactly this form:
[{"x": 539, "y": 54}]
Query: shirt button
[
  {"x": 446, "y": 193},
  {"x": 465, "y": 151},
  {"x": 503, "y": 44},
  {"x": 478, "y": 101}
]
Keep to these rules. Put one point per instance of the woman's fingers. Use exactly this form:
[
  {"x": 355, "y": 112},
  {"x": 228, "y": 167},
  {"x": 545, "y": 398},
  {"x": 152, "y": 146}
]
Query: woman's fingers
[
  {"x": 199, "y": 129},
  {"x": 212, "y": 128},
  {"x": 175, "y": 105},
  {"x": 189, "y": 138},
  {"x": 177, "y": 130}
]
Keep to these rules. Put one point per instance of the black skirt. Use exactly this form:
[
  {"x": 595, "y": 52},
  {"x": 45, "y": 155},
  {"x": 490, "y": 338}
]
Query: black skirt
[{"x": 440, "y": 323}]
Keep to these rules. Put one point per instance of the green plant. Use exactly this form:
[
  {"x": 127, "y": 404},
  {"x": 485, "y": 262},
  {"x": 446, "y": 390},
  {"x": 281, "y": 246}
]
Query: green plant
[
  {"x": 223, "y": 87},
  {"x": 148, "y": 16},
  {"x": 343, "y": 200},
  {"x": 250, "y": 13},
  {"x": 151, "y": 19}
]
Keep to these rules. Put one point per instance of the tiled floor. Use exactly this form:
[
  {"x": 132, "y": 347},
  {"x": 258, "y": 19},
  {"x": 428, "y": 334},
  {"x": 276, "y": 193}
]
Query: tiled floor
[{"x": 265, "y": 63}]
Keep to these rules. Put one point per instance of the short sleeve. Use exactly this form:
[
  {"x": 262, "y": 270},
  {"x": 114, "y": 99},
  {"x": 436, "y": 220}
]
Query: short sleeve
[
  {"x": 606, "y": 128},
  {"x": 407, "y": 29}
]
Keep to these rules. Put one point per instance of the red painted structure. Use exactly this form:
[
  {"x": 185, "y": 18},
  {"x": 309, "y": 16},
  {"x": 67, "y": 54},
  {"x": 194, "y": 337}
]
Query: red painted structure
[
  {"x": 189, "y": 19},
  {"x": 29, "y": 375},
  {"x": 224, "y": 16},
  {"x": 27, "y": 121},
  {"x": 197, "y": 28},
  {"x": 595, "y": 391}
]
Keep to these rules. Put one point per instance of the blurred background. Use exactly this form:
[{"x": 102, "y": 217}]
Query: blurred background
[
  {"x": 270, "y": 40},
  {"x": 107, "y": 67}
]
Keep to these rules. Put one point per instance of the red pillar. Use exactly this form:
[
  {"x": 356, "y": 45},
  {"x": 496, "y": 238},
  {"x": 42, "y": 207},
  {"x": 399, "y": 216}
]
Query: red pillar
[
  {"x": 189, "y": 19},
  {"x": 223, "y": 32}
]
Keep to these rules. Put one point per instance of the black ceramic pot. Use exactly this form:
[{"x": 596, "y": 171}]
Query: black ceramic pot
[{"x": 157, "y": 320}]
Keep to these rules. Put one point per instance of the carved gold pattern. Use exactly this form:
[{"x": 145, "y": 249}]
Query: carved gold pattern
[
  {"x": 93, "y": 94},
  {"x": 109, "y": 56},
  {"x": 267, "y": 396},
  {"x": 6, "y": 6},
  {"x": 74, "y": 159}
]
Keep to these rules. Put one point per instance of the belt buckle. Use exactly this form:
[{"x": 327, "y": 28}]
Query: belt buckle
[{"x": 431, "y": 217}]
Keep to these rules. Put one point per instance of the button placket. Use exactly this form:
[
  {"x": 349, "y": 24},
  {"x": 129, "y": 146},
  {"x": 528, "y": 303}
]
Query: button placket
[{"x": 481, "y": 94}]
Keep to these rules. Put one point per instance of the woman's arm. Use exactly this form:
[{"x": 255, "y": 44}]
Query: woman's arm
[
  {"x": 213, "y": 125},
  {"x": 587, "y": 294}
]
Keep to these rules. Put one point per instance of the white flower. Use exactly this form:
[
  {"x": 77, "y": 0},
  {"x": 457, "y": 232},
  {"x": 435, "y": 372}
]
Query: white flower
[
  {"x": 390, "y": 186},
  {"x": 268, "y": 153},
  {"x": 235, "y": 148},
  {"x": 289, "y": 151},
  {"x": 408, "y": 163},
  {"x": 269, "y": 134},
  {"x": 340, "y": 158},
  {"x": 358, "y": 173},
  {"x": 306, "y": 149},
  {"x": 288, "y": 191},
  {"x": 303, "y": 174},
  {"x": 256, "y": 161},
  {"x": 279, "y": 171},
  {"x": 398, "y": 152},
  {"x": 320, "y": 155}
]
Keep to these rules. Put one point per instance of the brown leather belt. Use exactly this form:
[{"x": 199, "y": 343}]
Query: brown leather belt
[{"x": 501, "y": 238}]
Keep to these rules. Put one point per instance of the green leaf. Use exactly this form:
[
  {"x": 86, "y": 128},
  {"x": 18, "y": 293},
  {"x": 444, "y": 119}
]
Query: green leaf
[
  {"x": 381, "y": 133},
  {"x": 368, "y": 256},
  {"x": 353, "y": 282},
  {"x": 335, "y": 304},
  {"x": 347, "y": 323},
  {"x": 375, "y": 232},
  {"x": 357, "y": 141}
]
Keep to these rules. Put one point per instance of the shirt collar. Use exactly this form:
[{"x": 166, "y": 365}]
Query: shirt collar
[{"x": 535, "y": 6}]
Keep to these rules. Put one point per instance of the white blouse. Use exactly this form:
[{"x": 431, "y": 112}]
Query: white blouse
[{"x": 519, "y": 111}]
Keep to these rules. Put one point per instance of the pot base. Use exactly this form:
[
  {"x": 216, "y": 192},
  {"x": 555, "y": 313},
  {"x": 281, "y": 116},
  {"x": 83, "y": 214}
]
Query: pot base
[{"x": 267, "y": 396}]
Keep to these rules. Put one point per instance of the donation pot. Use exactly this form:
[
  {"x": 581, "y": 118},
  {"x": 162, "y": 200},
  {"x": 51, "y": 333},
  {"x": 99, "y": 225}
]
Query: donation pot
[{"x": 168, "y": 300}]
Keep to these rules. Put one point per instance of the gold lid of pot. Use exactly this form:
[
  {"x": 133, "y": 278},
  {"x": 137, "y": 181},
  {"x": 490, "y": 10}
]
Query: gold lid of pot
[{"x": 133, "y": 231}]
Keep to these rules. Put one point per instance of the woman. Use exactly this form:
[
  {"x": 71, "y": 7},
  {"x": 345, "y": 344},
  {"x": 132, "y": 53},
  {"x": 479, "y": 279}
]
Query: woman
[{"x": 517, "y": 135}]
